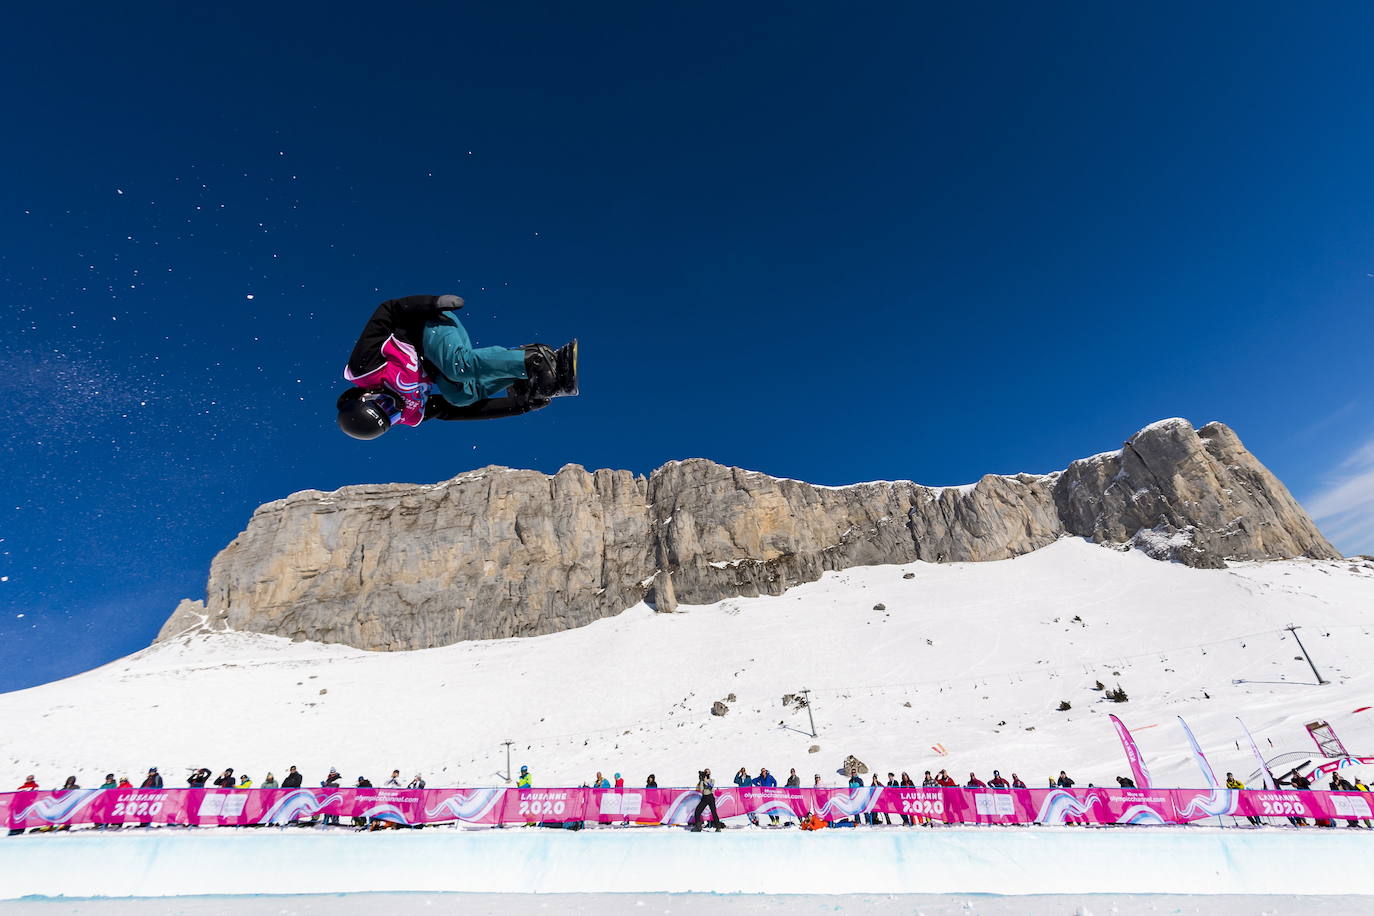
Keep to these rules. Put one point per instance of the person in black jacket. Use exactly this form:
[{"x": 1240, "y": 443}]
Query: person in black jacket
[
  {"x": 226, "y": 779},
  {"x": 198, "y": 779},
  {"x": 362, "y": 783},
  {"x": 414, "y": 362},
  {"x": 292, "y": 780},
  {"x": 331, "y": 782}
]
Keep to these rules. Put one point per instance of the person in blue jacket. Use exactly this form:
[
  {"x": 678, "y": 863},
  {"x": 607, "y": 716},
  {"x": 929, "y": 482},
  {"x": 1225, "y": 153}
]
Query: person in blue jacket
[
  {"x": 856, "y": 782},
  {"x": 767, "y": 780}
]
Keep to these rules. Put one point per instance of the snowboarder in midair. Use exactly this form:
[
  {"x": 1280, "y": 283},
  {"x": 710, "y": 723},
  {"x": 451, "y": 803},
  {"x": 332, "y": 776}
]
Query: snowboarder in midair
[{"x": 414, "y": 362}]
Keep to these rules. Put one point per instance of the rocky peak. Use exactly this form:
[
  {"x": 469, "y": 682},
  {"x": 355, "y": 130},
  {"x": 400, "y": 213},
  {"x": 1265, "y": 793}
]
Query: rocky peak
[{"x": 499, "y": 552}]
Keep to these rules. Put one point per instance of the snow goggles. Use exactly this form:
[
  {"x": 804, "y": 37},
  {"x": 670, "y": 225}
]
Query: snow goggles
[{"x": 386, "y": 402}]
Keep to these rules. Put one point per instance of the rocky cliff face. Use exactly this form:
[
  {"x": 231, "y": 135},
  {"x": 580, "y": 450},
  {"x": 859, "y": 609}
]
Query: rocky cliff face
[{"x": 500, "y": 552}]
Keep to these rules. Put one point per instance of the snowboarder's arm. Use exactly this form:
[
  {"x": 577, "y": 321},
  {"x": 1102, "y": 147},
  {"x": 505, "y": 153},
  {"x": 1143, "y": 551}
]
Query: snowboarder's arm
[
  {"x": 407, "y": 316},
  {"x": 436, "y": 408},
  {"x": 421, "y": 306}
]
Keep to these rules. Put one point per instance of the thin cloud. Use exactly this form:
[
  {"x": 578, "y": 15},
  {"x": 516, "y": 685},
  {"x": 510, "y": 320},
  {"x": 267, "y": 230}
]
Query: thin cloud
[{"x": 1344, "y": 507}]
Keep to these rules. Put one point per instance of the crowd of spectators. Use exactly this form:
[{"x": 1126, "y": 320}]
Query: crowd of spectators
[{"x": 200, "y": 777}]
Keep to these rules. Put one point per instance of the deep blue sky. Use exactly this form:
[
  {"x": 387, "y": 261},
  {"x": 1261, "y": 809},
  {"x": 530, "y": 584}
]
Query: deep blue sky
[{"x": 833, "y": 243}]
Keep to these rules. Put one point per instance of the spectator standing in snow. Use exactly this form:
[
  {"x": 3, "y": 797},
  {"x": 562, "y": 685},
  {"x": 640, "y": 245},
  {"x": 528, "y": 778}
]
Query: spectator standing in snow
[
  {"x": 417, "y": 783},
  {"x": 1361, "y": 787},
  {"x": 873, "y": 816},
  {"x": 394, "y": 782},
  {"x": 526, "y": 780},
  {"x": 124, "y": 783},
  {"x": 198, "y": 778},
  {"x": 742, "y": 778},
  {"x": 894, "y": 783},
  {"x": 601, "y": 782},
  {"x": 292, "y": 780},
  {"x": 1064, "y": 782},
  {"x": 906, "y": 782},
  {"x": 269, "y": 782},
  {"x": 362, "y": 783},
  {"x": 766, "y": 780},
  {"x": 151, "y": 780},
  {"x": 332, "y": 782},
  {"x": 109, "y": 783},
  {"x": 856, "y": 782},
  {"x": 1016, "y": 782},
  {"x": 928, "y": 781},
  {"x": 651, "y": 782},
  {"x": 997, "y": 782},
  {"x": 1299, "y": 782},
  {"x": 1125, "y": 782},
  {"x": 226, "y": 779},
  {"x": 619, "y": 781},
  {"x": 793, "y": 780},
  {"x": 244, "y": 782},
  {"x": 707, "y": 787},
  {"x": 975, "y": 783},
  {"x": 28, "y": 785}
]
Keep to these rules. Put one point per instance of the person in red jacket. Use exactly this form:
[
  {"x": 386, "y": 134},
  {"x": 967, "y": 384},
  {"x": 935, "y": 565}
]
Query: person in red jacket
[
  {"x": 975, "y": 783},
  {"x": 28, "y": 784}
]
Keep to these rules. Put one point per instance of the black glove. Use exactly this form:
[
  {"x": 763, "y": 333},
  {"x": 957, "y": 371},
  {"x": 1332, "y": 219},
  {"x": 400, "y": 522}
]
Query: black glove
[{"x": 448, "y": 303}]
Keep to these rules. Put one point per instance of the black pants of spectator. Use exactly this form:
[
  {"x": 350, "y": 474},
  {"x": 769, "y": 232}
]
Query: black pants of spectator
[{"x": 707, "y": 801}]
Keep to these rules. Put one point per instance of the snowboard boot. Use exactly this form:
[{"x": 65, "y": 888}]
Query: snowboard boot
[
  {"x": 541, "y": 368},
  {"x": 565, "y": 369}
]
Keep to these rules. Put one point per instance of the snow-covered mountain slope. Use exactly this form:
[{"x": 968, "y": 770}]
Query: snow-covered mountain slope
[{"x": 973, "y": 658}]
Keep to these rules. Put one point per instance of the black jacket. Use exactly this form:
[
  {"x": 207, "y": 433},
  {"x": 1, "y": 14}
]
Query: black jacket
[
  {"x": 405, "y": 318},
  {"x": 292, "y": 781}
]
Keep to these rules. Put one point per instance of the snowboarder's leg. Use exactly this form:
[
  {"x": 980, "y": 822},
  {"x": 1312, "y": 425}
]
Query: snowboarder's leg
[{"x": 469, "y": 374}]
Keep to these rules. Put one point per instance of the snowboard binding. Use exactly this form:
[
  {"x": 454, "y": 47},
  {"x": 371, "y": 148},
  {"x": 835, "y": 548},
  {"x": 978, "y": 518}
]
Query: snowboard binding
[{"x": 552, "y": 373}]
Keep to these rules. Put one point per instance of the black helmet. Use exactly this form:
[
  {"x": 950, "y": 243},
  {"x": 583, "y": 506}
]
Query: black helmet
[{"x": 366, "y": 413}]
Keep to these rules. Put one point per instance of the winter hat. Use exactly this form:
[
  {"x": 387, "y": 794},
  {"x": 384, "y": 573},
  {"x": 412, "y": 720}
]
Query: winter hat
[
  {"x": 524, "y": 769},
  {"x": 617, "y": 775}
]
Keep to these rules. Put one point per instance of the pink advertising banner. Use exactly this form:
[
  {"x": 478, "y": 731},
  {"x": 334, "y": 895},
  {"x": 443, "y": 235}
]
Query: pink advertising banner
[{"x": 492, "y": 806}]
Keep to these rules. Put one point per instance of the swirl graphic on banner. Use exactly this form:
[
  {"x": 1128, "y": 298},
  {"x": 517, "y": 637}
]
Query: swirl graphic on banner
[
  {"x": 1140, "y": 814},
  {"x": 386, "y": 813},
  {"x": 300, "y": 803},
  {"x": 856, "y": 802},
  {"x": 58, "y": 809},
  {"x": 1213, "y": 804},
  {"x": 472, "y": 806},
  {"x": 1059, "y": 805}
]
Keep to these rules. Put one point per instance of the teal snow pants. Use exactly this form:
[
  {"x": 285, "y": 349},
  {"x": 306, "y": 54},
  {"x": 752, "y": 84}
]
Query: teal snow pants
[{"x": 469, "y": 373}]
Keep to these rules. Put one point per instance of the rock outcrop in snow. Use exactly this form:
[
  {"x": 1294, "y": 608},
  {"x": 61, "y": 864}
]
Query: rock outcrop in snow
[{"x": 500, "y": 552}]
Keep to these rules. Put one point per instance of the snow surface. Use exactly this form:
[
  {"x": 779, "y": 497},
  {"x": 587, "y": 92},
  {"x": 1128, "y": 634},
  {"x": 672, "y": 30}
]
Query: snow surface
[
  {"x": 706, "y": 904},
  {"x": 996, "y": 860},
  {"x": 971, "y": 657}
]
